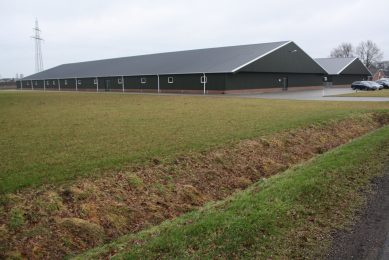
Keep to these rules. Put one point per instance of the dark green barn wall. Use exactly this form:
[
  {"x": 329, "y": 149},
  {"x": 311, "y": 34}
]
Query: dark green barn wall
[
  {"x": 26, "y": 84},
  {"x": 107, "y": 84},
  {"x": 356, "y": 68},
  {"x": 287, "y": 59},
  {"x": 68, "y": 84},
  {"x": 86, "y": 84},
  {"x": 192, "y": 83},
  {"x": 135, "y": 84},
  {"x": 347, "y": 79},
  {"x": 51, "y": 84},
  {"x": 19, "y": 84},
  {"x": 246, "y": 80},
  {"x": 38, "y": 84}
]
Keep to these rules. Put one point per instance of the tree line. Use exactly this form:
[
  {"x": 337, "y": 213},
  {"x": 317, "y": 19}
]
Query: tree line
[{"x": 368, "y": 52}]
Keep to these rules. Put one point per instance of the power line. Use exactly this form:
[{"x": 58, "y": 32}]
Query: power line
[{"x": 38, "y": 49}]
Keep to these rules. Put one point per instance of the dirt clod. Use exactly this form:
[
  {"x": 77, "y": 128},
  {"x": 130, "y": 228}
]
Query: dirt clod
[
  {"x": 87, "y": 231},
  {"x": 191, "y": 195}
]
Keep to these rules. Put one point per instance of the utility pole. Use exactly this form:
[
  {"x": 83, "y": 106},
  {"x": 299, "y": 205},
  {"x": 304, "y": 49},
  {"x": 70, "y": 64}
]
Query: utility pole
[{"x": 38, "y": 50}]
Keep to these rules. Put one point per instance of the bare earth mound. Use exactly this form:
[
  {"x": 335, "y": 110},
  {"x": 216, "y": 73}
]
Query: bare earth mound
[{"x": 53, "y": 222}]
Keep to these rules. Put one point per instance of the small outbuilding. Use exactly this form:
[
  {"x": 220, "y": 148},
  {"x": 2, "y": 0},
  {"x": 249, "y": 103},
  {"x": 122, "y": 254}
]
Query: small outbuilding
[
  {"x": 273, "y": 66},
  {"x": 344, "y": 71}
]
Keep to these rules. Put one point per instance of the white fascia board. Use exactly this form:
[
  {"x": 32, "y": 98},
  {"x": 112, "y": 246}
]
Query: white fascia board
[
  {"x": 348, "y": 64},
  {"x": 260, "y": 57}
]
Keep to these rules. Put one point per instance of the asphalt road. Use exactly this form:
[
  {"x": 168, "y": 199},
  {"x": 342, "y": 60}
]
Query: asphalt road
[
  {"x": 319, "y": 95},
  {"x": 325, "y": 95},
  {"x": 369, "y": 237}
]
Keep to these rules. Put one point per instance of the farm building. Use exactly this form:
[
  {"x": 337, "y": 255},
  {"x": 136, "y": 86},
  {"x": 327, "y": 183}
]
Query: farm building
[
  {"x": 247, "y": 68},
  {"x": 344, "y": 71}
]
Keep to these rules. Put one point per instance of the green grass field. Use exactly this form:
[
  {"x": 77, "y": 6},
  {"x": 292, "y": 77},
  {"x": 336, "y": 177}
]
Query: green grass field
[
  {"x": 54, "y": 137},
  {"x": 289, "y": 216},
  {"x": 381, "y": 93}
]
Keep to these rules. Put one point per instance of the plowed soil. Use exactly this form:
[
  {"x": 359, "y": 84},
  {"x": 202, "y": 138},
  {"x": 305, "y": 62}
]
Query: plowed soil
[{"x": 52, "y": 221}]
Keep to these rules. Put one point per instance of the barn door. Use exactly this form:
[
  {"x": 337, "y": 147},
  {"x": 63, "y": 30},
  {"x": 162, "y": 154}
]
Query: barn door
[
  {"x": 107, "y": 85},
  {"x": 285, "y": 83}
]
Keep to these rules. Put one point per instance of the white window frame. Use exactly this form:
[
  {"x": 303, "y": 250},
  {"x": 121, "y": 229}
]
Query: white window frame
[
  {"x": 202, "y": 79},
  {"x": 66, "y": 82},
  {"x": 120, "y": 81},
  {"x": 53, "y": 82},
  {"x": 170, "y": 80},
  {"x": 95, "y": 81},
  {"x": 143, "y": 80},
  {"x": 79, "y": 82}
]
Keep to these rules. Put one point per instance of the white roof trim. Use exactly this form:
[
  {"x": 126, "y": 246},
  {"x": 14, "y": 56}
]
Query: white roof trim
[
  {"x": 313, "y": 59},
  {"x": 263, "y": 55},
  {"x": 346, "y": 66},
  {"x": 365, "y": 66}
]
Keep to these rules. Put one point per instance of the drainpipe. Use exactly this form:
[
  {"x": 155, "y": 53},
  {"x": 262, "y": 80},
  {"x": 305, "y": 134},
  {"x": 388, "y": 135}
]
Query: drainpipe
[
  {"x": 123, "y": 83},
  {"x": 158, "y": 83},
  {"x": 32, "y": 86},
  {"x": 44, "y": 85},
  {"x": 204, "y": 82},
  {"x": 97, "y": 84},
  {"x": 76, "y": 84},
  {"x": 59, "y": 85}
]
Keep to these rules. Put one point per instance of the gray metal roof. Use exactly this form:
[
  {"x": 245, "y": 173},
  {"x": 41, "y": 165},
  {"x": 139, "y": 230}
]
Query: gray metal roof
[
  {"x": 212, "y": 60},
  {"x": 335, "y": 66}
]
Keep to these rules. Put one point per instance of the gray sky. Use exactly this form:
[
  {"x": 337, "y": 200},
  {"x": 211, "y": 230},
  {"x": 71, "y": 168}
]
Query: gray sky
[{"x": 80, "y": 30}]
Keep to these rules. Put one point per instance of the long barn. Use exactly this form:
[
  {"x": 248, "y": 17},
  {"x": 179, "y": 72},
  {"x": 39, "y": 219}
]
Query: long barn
[{"x": 260, "y": 67}]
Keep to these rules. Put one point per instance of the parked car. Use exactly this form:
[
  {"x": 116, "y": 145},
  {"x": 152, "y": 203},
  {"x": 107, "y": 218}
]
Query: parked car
[
  {"x": 376, "y": 85},
  {"x": 364, "y": 85},
  {"x": 384, "y": 82}
]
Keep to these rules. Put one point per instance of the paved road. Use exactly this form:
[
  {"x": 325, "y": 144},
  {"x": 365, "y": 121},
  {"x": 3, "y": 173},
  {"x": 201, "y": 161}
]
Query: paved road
[
  {"x": 369, "y": 238},
  {"x": 317, "y": 95},
  {"x": 291, "y": 95}
]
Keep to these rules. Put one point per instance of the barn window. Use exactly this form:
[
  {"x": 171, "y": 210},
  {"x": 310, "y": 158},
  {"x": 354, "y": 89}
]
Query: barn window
[
  {"x": 66, "y": 82},
  {"x": 203, "y": 79},
  {"x": 143, "y": 80},
  {"x": 53, "y": 82},
  {"x": 120, "y": 81},
  {"x": 170, "y": 80},
  {"x": 79, "y": 82},
  {"x": 95, "y": 81}
]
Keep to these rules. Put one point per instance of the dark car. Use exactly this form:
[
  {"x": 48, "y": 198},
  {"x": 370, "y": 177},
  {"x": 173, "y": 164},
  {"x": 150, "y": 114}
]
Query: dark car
[
  {"x": 364, "y": 85},
  {"x": 384, "y": 82}
]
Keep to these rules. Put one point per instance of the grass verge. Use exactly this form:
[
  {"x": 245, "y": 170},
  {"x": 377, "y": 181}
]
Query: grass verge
[
  {"x": 48, "y": 138},
  {"x": 287, "y": 216},
  {"x": 381, "y": 93}
]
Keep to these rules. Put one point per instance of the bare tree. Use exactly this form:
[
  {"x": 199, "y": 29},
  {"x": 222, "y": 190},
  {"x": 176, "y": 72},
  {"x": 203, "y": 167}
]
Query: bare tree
[
  {"x": 369, "y": 53},
  {"x": 344, "y": 50}
]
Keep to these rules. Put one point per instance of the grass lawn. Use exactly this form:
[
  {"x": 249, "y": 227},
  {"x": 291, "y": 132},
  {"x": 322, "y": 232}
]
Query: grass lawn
[
  {"x": 53, "y": 137},
  {"x": 289, "y": 216},
  {"x": 380, "y": 93}
]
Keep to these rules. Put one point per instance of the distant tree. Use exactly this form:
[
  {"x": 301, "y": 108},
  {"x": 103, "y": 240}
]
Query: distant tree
[
  {"x": 383, "y": 65},
  {"x": 344, "y": 50},
  {"x": 369, "y": 53}
]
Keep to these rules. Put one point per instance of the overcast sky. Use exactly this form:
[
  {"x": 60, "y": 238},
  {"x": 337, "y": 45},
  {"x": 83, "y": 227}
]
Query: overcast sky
[{"x": 80, "y": 30}]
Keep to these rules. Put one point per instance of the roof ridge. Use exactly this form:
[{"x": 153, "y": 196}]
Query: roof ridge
[{"x": 187, "y": 50}]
